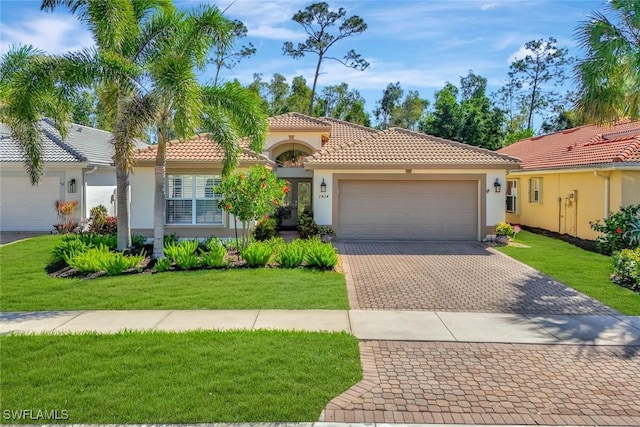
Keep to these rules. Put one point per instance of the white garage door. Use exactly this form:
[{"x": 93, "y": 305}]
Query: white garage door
[
  {"x": 411, "y": 210},
  {"x": 27, "y": 208}
]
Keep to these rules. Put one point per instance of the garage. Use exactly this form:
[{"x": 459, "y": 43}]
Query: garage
[
  {"x": 410, "y": 210},
  {"x": 27, "y": 208}
]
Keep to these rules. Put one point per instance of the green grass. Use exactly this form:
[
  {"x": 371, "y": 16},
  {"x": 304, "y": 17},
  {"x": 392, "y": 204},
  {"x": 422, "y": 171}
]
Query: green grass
[
  {"x": 25, "y": 286},
  {"x": 196, "y": 377},
  {"x": 584, "y": 271}
]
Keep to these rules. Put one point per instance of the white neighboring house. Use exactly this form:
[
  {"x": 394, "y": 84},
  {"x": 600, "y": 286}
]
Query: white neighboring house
[{"x": 78, "y": 168}]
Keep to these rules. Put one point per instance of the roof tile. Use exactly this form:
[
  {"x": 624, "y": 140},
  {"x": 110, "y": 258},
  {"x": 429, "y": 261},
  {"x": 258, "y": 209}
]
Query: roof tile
[
  {"x": 581, "y": 146},
  {"x": 296, "y": 120}
]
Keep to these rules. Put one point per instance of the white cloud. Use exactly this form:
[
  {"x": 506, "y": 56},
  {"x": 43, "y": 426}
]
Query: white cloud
[
  {"x": 266, "y": 19},
  {"x": 53, "y": 34}
]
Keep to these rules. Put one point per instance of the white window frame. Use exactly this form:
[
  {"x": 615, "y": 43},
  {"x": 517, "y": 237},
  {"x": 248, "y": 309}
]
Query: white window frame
[
  {"x": 196, "y": 193},
  {"x": 535, "y": 190},
  {"x": 512, "y": 195}
]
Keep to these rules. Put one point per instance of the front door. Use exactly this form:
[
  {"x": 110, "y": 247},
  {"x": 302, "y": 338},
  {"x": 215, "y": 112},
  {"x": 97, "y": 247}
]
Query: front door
[{"x": 297, "y": 200}]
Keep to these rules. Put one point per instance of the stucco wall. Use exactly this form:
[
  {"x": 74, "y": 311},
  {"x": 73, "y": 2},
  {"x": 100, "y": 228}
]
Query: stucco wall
[
  {"x": 561, "y": 213},
  {"x": 100, "y": 186}
]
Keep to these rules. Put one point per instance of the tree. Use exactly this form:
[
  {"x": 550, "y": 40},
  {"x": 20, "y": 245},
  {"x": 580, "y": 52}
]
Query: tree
[
  {"x": 251, "y": 195},
  {"x": 343, "y": 103},
  {"x": 410, "y": 111},
  {"x": 317, "y": 21},
  {"x": 385, "y": 106},
  {"x": 226, "y": 56},
  {"x": 544, "y": 63},
  {"x": 85, "y": 108},
  {"x": 444, "y": 121},
  {"x": 277, "y": 93},
  {"x": 299, "y": 95},
  {"x": 608, "y": 78}
]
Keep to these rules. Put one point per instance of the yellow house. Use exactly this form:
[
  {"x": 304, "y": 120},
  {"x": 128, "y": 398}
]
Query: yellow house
[{"x": 573, "y": 177}]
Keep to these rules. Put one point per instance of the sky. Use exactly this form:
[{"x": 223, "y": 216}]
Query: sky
[{"x": 420, "y": 43}]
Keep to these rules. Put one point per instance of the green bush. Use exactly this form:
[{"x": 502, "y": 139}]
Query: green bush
[
  {"x": 307, "y": 227},
  {"x": 116, "y": 263},
  {"x": 89, "y": 261},
  {"x": 614, "y": 229},
  {"x": 163, "y": 264},
  {"x": 633, "y": 233},
  {"x": 257, "y": 254},
  {"x": 320, "y": 255},
  {"x": 187, "y": 261},
  {"x": 94, "y": 240},
  {"x": 626, "y": 268},
  {"x": 291, "y": 255},
  {"x": 137, "y": 241},
  {"x": 214, "y": 258},
  {"x": 213, "y": 243},
  {"x": 265, "y": 229},
  {"x": 170, "y": 238},
  {"x": 68, "y": 248}
]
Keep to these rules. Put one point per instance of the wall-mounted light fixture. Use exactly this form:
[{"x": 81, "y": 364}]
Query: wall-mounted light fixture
[
  {"x": 496, "y": 186},
  {"x": 323, "y": 186},
  {"x": 71, "y": 186}
]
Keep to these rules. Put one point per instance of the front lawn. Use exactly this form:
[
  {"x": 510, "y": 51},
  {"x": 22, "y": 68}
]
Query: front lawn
[
  {"x": 25, "y": 286},
  {"x": 196, "y": 377},
  {"x": 584, "y": 271}
]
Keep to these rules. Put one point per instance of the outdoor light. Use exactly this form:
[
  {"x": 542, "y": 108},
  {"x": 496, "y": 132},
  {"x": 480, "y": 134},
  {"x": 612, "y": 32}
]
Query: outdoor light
[
  {"x": 72, "y": 186},
  {"x": 497, "y": 186},
  {"x": 323, "y": 186}
]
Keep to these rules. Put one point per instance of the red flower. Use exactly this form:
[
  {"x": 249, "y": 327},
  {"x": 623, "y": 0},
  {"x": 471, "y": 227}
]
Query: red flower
[
  {"x": 228, "y": 206},
  {"x": 619, "y": 230},
  {"x": 240, "y": 177},
  {"x": 265, "y": 216},
  {"x": 286, "y": 190},
  {"x": 263, "y": 185}
]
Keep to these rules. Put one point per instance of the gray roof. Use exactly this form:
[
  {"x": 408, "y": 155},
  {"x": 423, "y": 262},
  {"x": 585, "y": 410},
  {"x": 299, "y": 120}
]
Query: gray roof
[{"x": 83, "y": 144}]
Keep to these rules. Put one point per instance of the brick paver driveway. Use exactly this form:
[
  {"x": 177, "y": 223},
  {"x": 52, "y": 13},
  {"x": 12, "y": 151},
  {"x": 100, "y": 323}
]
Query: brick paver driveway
[
  {"x": 478, "y": 383},
  {"x": 463, "y": 277}
]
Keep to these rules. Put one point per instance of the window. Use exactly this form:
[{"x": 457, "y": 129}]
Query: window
[
  {"x": 535, "y": 190},
  {"x": 191, "y": 200},
  {"x": 512, "y": 195}
]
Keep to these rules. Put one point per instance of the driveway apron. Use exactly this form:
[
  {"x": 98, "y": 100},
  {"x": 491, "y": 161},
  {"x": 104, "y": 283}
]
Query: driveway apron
[{"x": 478, "y": 383}]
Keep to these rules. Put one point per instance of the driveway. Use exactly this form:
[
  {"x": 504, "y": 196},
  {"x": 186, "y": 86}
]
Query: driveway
[
  {"x": 12, "y": 236},
  {"x": 478, "y": 382},
  {"x": 458, "y": 277}
]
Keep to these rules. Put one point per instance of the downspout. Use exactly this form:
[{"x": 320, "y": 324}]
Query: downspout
[
  {"x": 607, "y": 186},
  {"x": 84, "y": 191}
]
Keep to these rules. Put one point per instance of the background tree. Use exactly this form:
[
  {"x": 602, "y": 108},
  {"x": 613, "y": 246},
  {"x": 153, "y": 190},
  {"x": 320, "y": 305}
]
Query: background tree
[
  {"x": 444, "y": 120},
  {"x": 226, "y": 54},
  {"x": 544, "y": 64},
  {"x": 277, "y": 94},
  {"x": 299, "y": 96},
  {"x": 608, "y": 78},
  {"x": 317, "y": 21},
  {"x": 409, "y": 112},
  {"x": 85, "y": 108},
  {"x": 343, "y": 103},
  {"x": 385, "y": 106}
]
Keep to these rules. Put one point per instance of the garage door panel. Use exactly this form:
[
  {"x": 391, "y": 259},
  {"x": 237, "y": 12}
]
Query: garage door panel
[
  {"x": 422, "y": 210},
  {"x": 27, "y": 208}
]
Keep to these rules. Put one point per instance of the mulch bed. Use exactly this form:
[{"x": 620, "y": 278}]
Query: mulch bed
[{"x": 588, "y": 245}]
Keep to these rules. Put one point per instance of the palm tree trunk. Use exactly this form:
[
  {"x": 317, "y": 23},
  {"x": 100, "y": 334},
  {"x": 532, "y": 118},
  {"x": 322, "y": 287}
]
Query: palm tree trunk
[
  {"x": 159, "y": 197},
  {"x": 122, "y": 203}
]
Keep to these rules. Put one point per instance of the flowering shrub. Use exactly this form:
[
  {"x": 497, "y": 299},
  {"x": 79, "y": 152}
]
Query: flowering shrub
[
  {"x": 251, "y": 195},
  {"x": 617, "y": 230},
  {"x": 504, "y": 229},
  {"x": 626, "y": 270},
  {"x": 65, "y": 211},
  {"x": 265, "y": 229}
]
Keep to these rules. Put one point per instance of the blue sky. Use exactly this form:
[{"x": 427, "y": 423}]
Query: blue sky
[{"x": 422, "y": 44}]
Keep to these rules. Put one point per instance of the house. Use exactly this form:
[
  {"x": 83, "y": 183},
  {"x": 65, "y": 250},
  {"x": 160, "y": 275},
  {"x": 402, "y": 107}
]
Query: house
[
  {"x": 78, "y": 168},
  {"x": 365, "y": 183},
  {"x": 573, "y": 177}
]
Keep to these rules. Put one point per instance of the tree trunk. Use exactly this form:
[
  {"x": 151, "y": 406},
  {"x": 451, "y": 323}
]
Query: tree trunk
[
  {"x": 122, "y": 202},
  {"x": 315, "y": 81},
  {"x": 159, "y": 197}
]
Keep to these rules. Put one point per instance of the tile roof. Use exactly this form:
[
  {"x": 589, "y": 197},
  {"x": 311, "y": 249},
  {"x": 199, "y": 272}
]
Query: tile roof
[
  {"x": 581, "y": 146},
  {"x": 83, "y": 144},
  {"x": 399, "y": 147},
  {"x": 343, "y": 132},
  {"x": 197, "y": 149},
  {"x": 298, "y": 121}
]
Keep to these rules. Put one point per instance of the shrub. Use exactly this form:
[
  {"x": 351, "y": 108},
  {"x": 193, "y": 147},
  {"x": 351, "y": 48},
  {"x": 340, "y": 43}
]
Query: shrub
[
  {"x": 190, "y": 246},
  {"x": 186, "y": 260},
  {"x": 89, "y": 261},
  {"x": 68, "y": 248},
  {"x": 307, "y": 227},
  {"x": 170, "y": 238},
  {"x": 116, "y": 263},
  {"x": 265, "y": 229},
  {"x": 504, "y": 229},
  {"x": 94, "y": 240},
  {"x": 98, "y": 216},
  {"x": 291, "y": 255},
  {"x": 614, "y": 229},
  {"x": 257, "y": 254},
  {"x": 633, "y": 233},
  {"x": 626, "y": 270},
  {"x": 214, "y": 258},
  {"x": 65, "y": 211},
  {"x": 137, "y": 241},
  {"x": 163, "y": 264},
  {"x": 171, "y": 249},
  {"x": 320, "y": 255}
]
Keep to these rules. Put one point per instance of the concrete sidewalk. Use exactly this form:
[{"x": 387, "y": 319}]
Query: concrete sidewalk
[{"x": 364, "y": 324}]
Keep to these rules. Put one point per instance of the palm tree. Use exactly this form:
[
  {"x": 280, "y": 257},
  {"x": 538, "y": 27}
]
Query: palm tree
[
  {"x": 608, "y": 77},
  {"x": 228, "y": 112},
  {"x": 127, "y": 34}
]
